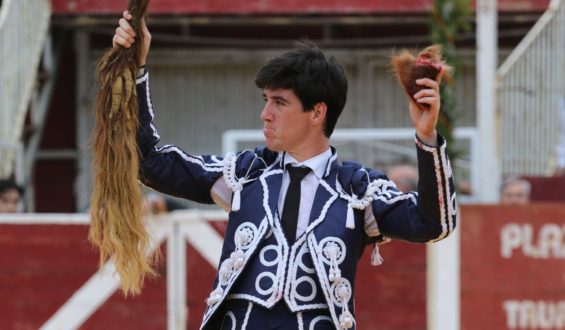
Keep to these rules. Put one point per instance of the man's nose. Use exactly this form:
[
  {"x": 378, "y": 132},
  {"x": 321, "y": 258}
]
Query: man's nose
[{"x": 266, "y": 114}]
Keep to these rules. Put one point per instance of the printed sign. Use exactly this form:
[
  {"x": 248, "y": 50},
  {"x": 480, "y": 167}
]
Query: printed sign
[{"x": 513, "y": 267}]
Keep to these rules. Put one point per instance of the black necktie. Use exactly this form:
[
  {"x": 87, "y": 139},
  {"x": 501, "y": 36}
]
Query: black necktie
[{"x": 292, "y": 201}]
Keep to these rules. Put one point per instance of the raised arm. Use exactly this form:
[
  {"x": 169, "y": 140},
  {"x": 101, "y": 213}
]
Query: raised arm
[
  {"x": 125, "y": 37},
  {"x": 428, "y": 214},
  {"x": 167, "y": 169}
]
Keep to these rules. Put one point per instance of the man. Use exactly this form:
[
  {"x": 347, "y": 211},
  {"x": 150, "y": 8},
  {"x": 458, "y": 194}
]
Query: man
[
  {"x": 405, "y": 177},
  {"x": 10, "y": 196},
  {"x": 299, "y": 221},
  {"x": 515, "y": 191}
]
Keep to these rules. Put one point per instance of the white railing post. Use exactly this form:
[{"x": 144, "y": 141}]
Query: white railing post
[
  {"x": 176, "y": 279},
  {"x": 487, "y": 50},
  {"x": 443, "y": 283}
]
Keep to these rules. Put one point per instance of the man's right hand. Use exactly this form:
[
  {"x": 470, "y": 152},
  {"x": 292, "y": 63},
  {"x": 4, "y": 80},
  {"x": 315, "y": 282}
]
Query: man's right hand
[{"x": 125, "y": 37}]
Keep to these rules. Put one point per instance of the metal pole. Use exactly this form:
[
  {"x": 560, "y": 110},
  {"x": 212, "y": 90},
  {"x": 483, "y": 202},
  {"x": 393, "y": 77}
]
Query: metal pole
[
  {"x": 443, "y": 283},
  {"x": 487, "y": 119},
  {"x": 82, "y": 183},
  {"x": 176, "y": 277}
]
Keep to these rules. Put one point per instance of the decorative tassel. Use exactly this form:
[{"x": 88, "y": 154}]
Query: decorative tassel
[
  {"x": 236, "y": 201},
  {"x": 215, "y": 296},
  {"x": 346, "y": 320},
  {"x": 350, "y": 222},
  {"x": 376, "y": 258}
]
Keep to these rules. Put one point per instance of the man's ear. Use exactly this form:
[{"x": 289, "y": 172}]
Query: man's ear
[{"x": 319, "y": 112}]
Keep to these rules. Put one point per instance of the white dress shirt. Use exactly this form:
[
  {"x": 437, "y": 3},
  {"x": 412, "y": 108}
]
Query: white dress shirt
[{"x": 308, "y": 186}]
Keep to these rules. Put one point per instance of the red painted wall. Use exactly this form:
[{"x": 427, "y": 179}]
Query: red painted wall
[
  {"x": 42, "y": 265},
  {"x": 512, "y": 269},
  {"x": 273, "y": 7}
]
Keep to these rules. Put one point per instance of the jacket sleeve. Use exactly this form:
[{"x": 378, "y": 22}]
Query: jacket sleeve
[
  {"x": 424, "y": 216},
  {"x": 428, "y": 215},
  {"x": 168, "y": 169}
]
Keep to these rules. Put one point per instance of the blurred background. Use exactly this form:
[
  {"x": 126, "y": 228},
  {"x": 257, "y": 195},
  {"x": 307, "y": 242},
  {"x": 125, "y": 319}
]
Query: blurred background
[{"x": 503, "y": 115}]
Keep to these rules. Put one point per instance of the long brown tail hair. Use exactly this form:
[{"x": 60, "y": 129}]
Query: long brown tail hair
[{"x": 117, "y": 228}]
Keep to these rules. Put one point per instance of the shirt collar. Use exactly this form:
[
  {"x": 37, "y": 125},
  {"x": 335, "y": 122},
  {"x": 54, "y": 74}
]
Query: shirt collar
[{"x": 317, "y": 163}]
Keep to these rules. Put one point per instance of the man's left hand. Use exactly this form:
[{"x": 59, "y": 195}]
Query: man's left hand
[{"x": 425, "y": 120}]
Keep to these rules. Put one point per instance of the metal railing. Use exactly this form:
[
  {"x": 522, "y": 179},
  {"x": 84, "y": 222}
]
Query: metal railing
[
  {"x": 384, "y": 139},
  {"x": 530, "y": 85},
  {"x": 23, "y": 29}
]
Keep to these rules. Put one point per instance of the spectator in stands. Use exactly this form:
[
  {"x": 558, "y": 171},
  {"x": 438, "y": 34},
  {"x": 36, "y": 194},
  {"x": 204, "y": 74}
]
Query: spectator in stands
[
  {"x": 155, "y": 203},
  {"x": 404, "y": 176},
  {"x": 515, "y": 191},
  {"x": 10, "y": 196}
]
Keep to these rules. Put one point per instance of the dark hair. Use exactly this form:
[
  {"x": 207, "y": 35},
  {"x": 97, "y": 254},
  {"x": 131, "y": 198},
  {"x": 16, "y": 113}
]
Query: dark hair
[
  {"x": 6, "y": 185},
  {"x": 311, "y": 76}
]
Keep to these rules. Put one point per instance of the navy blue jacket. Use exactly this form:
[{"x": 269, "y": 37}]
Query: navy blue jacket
[{"x": 317, "y": 271}]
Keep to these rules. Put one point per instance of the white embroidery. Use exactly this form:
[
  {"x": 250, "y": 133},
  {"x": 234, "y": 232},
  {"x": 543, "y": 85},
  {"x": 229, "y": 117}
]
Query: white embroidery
[
  {"x": 209, "y": 167},
  {"x": 233, "y": 182},
  {"x": 263, "y": 258},
  {"x": 453, "y": 205},
  {"x": 446, "y": 201},
  {"x": 320, "y": 270},
  {"x": 277, "y": 276},
  {"x": 447, "y": 174},
  {"x": 346, "y": 320},
  {"x": 333, "y": 253},
  {"x": 441, "y": 197},
  {"x": 341, "y": 295},
  {"x": 246, "y": 237},
  {"x": 215, "y": 296},
  {"x": 318, "y": 319},
  {"x": 300, "y": 321},
  {"x": 325, "y": 208},
  {"x": 271, "y": 288},
  {"x": 249, "y": 297},
  {"x": 341, "y": 292},
  {"x": 231, "y": 315},
  {"x": 150, "y": 108},
  {"x": 330, "y": 162},
  {"x": 304, "y": 251},
  {"x": 313, "y": 288},
  {"x": 380, "y": 189},
  {"x": 246, "y": 319},
  {"x": 270, "y": 214},
  {"x": 225, "y": 272},
  {"x": 282, "y": 261},
  {"x": 299, "y": 251}
]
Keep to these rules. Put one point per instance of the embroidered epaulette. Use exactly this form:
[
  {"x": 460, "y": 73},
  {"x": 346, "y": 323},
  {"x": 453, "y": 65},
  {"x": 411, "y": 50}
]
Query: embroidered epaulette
[
  {"x": 244, "y": 167},
  {"x": 360, "y": 186},
  {"x": 357, "y": 185}
]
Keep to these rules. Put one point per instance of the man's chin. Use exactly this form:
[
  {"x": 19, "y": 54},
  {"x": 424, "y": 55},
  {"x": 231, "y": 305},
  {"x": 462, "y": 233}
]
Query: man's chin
[{"x": 272, "y": 147}]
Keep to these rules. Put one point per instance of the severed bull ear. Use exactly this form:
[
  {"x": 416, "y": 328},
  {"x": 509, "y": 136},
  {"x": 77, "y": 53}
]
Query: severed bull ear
[{"x": 427, "y": 64}]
